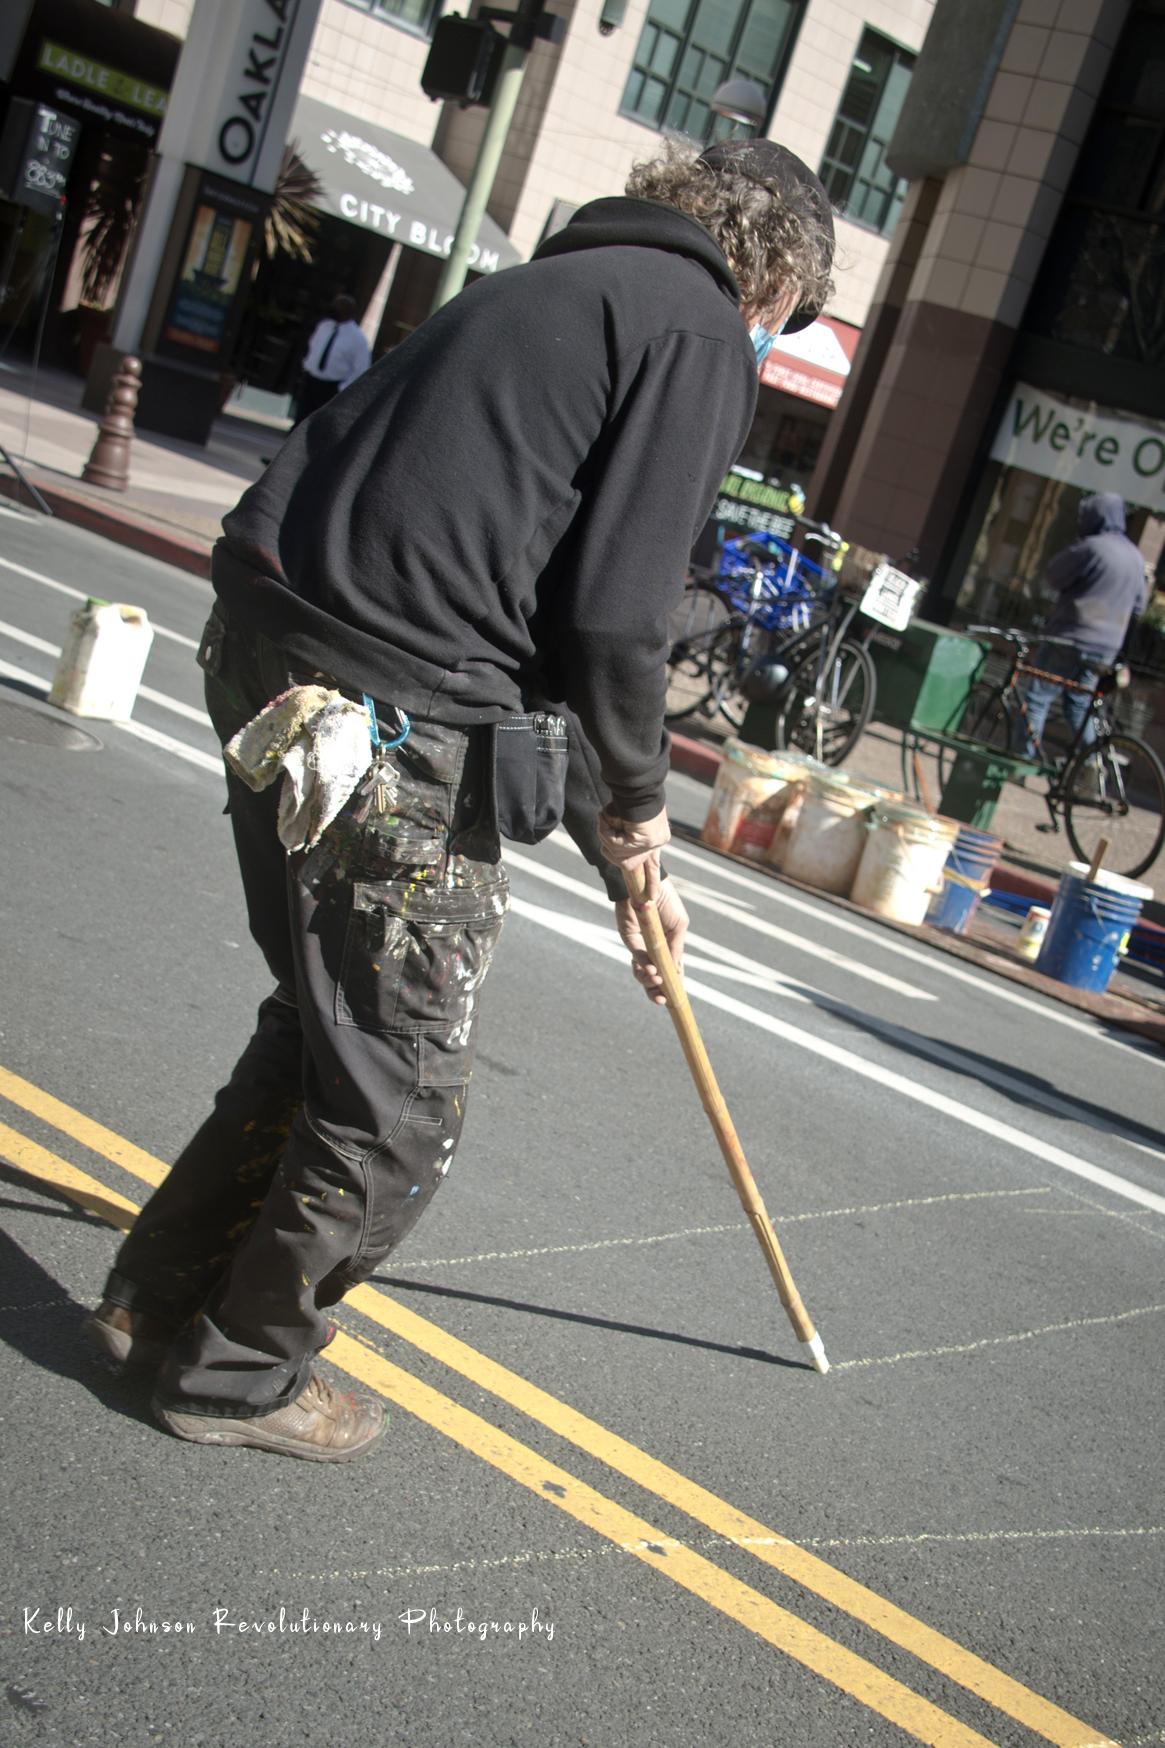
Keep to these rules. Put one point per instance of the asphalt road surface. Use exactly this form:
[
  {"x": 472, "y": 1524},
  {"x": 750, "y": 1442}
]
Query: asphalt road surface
[{"x": 615, "y": 1505}]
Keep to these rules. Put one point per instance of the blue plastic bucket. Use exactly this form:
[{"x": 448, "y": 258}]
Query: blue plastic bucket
[
  {"x": 968, "y": 869},
  {"x": 1089, "y": 926}
]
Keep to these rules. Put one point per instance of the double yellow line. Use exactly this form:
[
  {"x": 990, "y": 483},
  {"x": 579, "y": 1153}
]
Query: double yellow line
[{"x": 814, "y": 1650}]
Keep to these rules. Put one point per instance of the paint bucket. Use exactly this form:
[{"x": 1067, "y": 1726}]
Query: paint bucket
[
  {"x": 902, "y": 860},
  {"x": 101, "y": 664},
  {"x": 828, "y": 836},
  {"x": 759, "y": 824},
  {"x": 1089, "y": 927},
  {"x": 747, "y": 780},
  {"x": 966, "y": 876},
  {"x": 1031, "y": 935}
]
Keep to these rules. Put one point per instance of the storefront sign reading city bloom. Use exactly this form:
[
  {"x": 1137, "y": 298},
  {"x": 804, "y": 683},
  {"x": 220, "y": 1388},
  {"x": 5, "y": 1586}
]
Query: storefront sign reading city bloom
[
  {"x": 389, "y": 184},
  {"x": 1094, "y": 452}
]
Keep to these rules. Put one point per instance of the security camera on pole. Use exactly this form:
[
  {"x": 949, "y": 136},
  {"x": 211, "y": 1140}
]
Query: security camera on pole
[{"x": 461, "y": 67}]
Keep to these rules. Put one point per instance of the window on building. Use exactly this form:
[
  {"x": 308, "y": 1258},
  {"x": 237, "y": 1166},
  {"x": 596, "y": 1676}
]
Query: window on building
[
  {"x": 1102, "y": 285},
  {"x": 689, "y": 47},
  {"x": 418, "y": 16},
  {"x": 860, "y": 183}
]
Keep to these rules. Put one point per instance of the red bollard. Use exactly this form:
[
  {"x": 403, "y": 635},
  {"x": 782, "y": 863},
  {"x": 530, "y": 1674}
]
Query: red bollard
[{"x": 109, "y": 463}]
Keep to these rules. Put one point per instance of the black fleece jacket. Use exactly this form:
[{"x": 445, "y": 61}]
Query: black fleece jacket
[{"x": 502, "y": 508}]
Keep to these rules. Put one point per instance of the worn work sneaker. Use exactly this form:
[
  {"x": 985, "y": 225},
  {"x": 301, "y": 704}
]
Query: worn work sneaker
[
  {"x": 130, "y": 1337},
  {"x": 321, "y": 1425}
]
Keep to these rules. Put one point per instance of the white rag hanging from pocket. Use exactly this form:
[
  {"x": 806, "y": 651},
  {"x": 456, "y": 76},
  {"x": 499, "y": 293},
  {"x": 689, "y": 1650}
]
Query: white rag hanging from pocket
[{"x": 320, "y": 741}]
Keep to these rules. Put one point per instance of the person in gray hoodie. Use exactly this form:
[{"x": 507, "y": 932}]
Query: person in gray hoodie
[{"x": 1099, "y": 582}]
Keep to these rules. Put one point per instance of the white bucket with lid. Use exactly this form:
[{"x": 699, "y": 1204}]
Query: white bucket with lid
[
  {"x": 902, "y": 860},
  {"x": 1114, "y": 882},
  {"x": 101, "y": 663},
  {"x": 826, "y": 841}
]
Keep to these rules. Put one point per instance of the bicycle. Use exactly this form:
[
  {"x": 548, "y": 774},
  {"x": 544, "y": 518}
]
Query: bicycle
[
  {"x": 729, "y": 619},
  {"x": 1111, "y": 787}
]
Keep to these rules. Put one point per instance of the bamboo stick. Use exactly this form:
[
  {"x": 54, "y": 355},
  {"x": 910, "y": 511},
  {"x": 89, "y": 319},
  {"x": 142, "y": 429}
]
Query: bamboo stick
[{"x": 712, "y": 1100}]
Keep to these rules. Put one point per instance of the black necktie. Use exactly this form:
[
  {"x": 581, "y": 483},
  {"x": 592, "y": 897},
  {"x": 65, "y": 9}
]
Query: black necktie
[{"x": 327, "y": 349}]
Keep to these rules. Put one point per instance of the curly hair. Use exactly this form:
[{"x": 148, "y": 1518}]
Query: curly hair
[{"x": 773, "y": 236}]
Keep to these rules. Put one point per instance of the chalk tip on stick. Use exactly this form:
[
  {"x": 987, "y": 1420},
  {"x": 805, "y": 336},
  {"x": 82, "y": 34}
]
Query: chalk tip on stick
[{"x": 817, "y": 1353}]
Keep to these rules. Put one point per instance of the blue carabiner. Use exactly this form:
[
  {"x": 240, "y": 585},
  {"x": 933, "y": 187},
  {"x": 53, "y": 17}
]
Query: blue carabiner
[{"x": 374, "y": 732}]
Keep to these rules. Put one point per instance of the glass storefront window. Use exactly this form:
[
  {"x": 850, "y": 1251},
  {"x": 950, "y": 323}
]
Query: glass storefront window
[
  {"x": 1102, "y": 285},
  {"x": 1028, "y": 519},
  {"x": 689, "y": 47}
]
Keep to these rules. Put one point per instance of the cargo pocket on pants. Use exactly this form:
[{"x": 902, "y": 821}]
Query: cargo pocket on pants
[{"x": 415, "y": 955}]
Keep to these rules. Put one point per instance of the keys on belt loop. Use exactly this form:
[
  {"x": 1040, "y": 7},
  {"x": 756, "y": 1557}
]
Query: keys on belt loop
[{"x": 379, "y": 787}]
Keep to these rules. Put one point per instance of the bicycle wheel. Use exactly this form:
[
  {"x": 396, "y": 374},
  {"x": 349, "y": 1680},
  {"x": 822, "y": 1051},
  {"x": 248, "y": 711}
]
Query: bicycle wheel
[
  {"x": 828, "y": 721},
  {"x": 1115, "y": 789},
  {"x": 986, "y": 717},
  {"x": 700, "y": 629},
  {"x": 730, "y": 701}
]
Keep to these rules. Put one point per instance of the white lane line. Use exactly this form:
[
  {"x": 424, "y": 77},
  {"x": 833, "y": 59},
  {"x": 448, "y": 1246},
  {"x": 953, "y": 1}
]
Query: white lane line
[
  {"x": 26, "y": 637},
  {"x": 167, "y": 744},
  {"x": 934, "y": 1353},
  {"x": 162, "y": 698},
  {"x": 753, "y": 979},
  {"x": 692, "y": 889},
  {"x": 602, "y": 941},
  {"x": 175, "y": 704},
  {"x": 164, "y": 743},
  {"x": 976, "y": 1070},
  {"x": 936, "y": 961},
  {"x": 81, "y": 595},
  {"x": 595, "y": 895},
  {"x": 9, "y": 671},
  {"x": 761, "y": 977}
]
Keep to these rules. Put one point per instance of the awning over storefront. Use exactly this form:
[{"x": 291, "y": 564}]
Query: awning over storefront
[
  {"x": 814, "y": 363},
  {"x": 390, "y": 185}
]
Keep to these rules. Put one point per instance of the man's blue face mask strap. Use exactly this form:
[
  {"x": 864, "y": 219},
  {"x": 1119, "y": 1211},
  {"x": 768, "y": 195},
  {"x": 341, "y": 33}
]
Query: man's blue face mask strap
[{"x": 762, "y": 343}]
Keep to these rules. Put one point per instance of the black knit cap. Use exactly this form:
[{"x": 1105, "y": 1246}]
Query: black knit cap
[{"x": 766, "y": 161}]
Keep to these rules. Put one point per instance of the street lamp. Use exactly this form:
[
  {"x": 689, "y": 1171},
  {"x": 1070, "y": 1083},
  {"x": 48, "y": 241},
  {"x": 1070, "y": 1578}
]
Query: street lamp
[{"x": 741, "y": 101}]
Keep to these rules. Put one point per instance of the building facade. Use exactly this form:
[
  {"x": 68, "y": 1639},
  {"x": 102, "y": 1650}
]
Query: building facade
[
  {"x": 835, "y": 74},
  {"x": 1013, "y": 359}
]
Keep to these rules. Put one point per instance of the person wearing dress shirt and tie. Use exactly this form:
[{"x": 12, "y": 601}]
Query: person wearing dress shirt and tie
[{"x": 337, "y": 354}]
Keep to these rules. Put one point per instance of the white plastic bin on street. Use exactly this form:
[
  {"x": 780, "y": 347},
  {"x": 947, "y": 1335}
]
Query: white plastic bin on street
[{"x": 102, "y": 661}]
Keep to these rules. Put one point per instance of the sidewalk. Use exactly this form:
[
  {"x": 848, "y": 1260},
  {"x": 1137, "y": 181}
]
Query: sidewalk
[{"x": 178, "y": 492}]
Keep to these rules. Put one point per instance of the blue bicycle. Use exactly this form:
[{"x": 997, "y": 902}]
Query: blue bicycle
[{"x": 767, "y": 599}]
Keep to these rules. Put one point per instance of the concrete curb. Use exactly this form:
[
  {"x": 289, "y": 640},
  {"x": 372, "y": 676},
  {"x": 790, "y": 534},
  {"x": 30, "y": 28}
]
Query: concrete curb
[
  {"x": 184, "y": 550},
  {"x": 694, "y": 759}
]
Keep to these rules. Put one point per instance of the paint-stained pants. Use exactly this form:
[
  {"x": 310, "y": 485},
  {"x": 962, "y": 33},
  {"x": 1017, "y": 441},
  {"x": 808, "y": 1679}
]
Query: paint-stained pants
[{"x": 343, "y": 1113}]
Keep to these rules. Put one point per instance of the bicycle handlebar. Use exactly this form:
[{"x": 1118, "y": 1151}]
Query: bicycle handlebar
[{"x": 1024, "y": 639}]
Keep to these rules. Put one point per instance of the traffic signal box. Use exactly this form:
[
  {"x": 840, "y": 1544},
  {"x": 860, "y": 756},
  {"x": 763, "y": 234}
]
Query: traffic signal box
[
  {"x": 463, "y": 62},
  {"x": 466, "y": 55}
]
